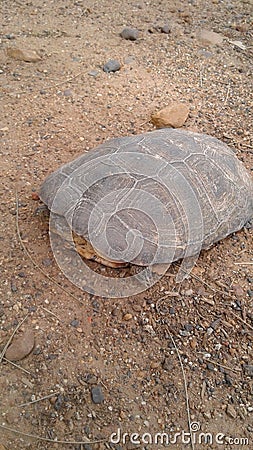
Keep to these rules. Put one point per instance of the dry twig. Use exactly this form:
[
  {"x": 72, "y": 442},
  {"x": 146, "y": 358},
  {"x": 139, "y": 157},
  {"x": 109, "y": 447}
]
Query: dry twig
[
  {"x": 38, "y": 399},
  {"x": 224, "y": 367},
  {"x": 241, "y": 320},
  {"x": 11, "y": 337},
  {"x": 244, "y": 263},
  {"x": 19, "y": 367},
  {"x": 40, "y": 438},
  {"x": 203, "y": 282},
  {"x": 185, "y": 388},
  {"x": 226, "y": 99},
  {"x": 50, "y": 312},
  {"x": 64, "y": 81},
  {"x": 52, "y": 86}
]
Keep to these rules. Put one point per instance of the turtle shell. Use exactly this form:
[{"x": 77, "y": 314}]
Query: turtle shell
[{"x": 153, "y": 198}]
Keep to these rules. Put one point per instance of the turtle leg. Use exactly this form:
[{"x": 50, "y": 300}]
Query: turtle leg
[
  {"x": 85, "y": 249},
  {"x": 160, "y": 269},
  {"x": 186, "y": 267}
]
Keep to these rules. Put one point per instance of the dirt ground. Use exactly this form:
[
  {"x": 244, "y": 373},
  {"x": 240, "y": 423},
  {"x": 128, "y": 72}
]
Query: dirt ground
[{"x": 133, "y": 353}]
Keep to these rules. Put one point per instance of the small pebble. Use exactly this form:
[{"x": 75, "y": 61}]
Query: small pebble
[
  {"x": 13, "y": 286},
  {"x": 10, "y": 36},
  {"x": 35, "y": 196},
  {"x": 167, "y": 365},
  {"x": 193, "y": 343},
  {"x": 122, "y": 415},
  {"x": 91, "y": 379},
  {"x": 184, "y": 333},
  {"x": 95, "y": 305},
  {"x": 22, "y": 274},
  {"x": 37, "y": 351},
  {"x": 93, "y": 73},
  {"x": 59, "y": 402},
  {"x": 129, "y": 59},
  {"x": 127, "y": 317},
  {"x": 47, "y": 262},
  {"x": 111, "y": 66},
  {"x": 155, "y": 364},
  {"x": 205, "y": 53},
  {"x": 188, "y": 326},
  {"x": 68, "y": 93},
  {"x": 188, "y": 292},
  {"x": 74, "y": 323},
  {"x": 228, "y": 379},
  {"x": 238, "y": 290},
  {"x": 97, "y": 394},
  {"x": 12, "y": 417},
  {"x": 215, "y": 324},
  {"x": 242, "y": 27},
  {"x": 248, "y": 370},
  {"x": 130, "y": 34},
  {"x": 87, "y": 447},
  {"x": 52, "y": 356},
  {"x": 231, "y": 412},
  {"x": 165, "y": 29}
]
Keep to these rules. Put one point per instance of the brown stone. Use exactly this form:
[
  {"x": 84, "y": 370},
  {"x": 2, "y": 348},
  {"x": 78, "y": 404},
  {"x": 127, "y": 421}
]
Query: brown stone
[
  {"x": 231, "y": 412},
  {"x": 155, "y": 364},
  {"x": 193, "y": 343},
  {"x": 21, "y": 346},
  {"x": 35, "y": 196},
  {"x": 210, "y": 37},
  {"x": 238, "y": 290},
  {"x": 127, "y": 316},
  {"x": 173, "y": 115},
  {"x": 23, "y": 55},
  {"x": 243, "y": 27}
]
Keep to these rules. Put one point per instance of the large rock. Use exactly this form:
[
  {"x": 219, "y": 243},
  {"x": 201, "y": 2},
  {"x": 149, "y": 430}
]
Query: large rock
[
  {"x": 130, "y": 34},
  {"x": 23, "y": 55},
  {"x": 21, "y": 346},
  {"x": 113, "y": 65},
  {"x": 172, "y": 116},
  {"x": 210, "y": 37}
]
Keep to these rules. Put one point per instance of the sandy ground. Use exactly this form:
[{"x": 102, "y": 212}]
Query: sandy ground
[{"x": 52, "y": 110}]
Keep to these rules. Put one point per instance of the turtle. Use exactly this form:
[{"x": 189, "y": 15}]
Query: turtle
[{"x": 151, "y": 198}]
